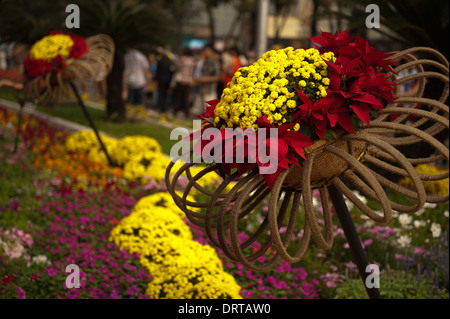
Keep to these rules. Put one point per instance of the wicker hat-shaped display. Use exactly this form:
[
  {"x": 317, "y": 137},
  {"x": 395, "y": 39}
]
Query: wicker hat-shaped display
[
  {"x": 59, "y": 59},
  {"x": 347, "y": 160}
]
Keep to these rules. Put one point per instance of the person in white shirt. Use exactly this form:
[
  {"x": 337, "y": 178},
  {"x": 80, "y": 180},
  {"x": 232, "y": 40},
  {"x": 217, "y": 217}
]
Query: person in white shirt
[{"x": 136, "y": 70}]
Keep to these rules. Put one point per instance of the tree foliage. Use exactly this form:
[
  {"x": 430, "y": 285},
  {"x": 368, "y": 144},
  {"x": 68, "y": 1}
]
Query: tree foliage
[{"x": 409, "y": 23}]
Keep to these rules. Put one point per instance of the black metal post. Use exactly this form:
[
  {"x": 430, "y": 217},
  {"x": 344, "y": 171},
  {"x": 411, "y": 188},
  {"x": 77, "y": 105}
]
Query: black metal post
[
  {"x": 91, "y": 122},
  {"x": 352, "y": 238}
]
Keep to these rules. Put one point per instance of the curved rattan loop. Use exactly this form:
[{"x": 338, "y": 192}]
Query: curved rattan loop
[
  {"x": 279, "y": 244},
  {"x": 234, "y": 236},
  {"x": 246, "y": 186},
  {"x": 212, "y": 219},
  {"x": 323, "y": 243},
  {"x": 419, "y": 192},
  {"x": 374, "y": 185}
]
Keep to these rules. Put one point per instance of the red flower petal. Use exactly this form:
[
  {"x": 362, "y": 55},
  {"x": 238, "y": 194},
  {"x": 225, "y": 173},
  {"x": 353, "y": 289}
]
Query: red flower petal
[
  {"x": 345, "y": 121},
  {"x": 362, "y": 111}
]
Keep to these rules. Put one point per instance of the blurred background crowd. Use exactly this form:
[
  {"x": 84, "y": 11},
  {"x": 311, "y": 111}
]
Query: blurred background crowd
[{"x": 172, "y": 56}]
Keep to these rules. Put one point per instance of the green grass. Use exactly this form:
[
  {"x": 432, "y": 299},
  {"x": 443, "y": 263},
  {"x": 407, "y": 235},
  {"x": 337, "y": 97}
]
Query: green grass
[
  {"x": 130, "y": 127},
  {"x": 73, "y": 112},
  {"x": 16, "y": 185},
  {"x": 5, "y": 93}
]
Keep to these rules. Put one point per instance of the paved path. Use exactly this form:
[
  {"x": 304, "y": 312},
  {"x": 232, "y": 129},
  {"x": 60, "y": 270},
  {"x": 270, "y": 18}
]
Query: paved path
[
  {"x": 52, "y": 120},
  {"x": 72, "y": 126}
]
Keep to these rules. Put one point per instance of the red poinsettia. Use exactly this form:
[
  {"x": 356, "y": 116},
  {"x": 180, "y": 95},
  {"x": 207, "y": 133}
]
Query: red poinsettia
[
  {"x": 357, "y": 81},
  {"x": 289, "y": 145},
  {"x": 79, "y": 47}
]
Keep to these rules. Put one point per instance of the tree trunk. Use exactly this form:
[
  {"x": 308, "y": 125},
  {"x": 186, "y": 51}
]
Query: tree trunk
[
  {"x": 115, "y": 105},
  {"x": 314, "y": 18}
]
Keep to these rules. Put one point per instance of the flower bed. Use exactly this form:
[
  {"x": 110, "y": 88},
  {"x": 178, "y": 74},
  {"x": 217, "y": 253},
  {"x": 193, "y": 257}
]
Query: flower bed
[{"x": 58, "y": 207}]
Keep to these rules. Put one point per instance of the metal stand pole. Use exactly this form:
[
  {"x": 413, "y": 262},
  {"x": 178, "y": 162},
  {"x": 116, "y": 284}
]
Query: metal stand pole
[
  {"x": 352, "y": 238},
  {"x": 91, "y": 122},
  {"x": 261, "y": 27}
]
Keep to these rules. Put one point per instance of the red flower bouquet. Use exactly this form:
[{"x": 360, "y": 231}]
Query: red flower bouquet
[{"x": 50, "y": 54}]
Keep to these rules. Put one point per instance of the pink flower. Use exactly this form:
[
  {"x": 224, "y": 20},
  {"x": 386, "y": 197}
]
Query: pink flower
[
  {"x": 306, "y": 291},
  {"x": 51, "y": 272},
  {"x": 21, "y": 293},
  {"x": 367, "y": 242},
  {"x": 331, "y": 284},
  {"x": 419, "y": 250},
  {"x": 398, "y": 256}
]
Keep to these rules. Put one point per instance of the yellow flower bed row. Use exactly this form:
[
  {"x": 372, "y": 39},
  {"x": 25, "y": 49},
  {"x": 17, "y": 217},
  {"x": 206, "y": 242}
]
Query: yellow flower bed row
[
  {"x": 140, "y": 156},
  {"x": 180, "y": 266}
]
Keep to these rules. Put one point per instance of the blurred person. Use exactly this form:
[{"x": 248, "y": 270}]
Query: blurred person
[
  {"x": 163, "y": 77},
  {"x": 197, "y": 106},
  {"x": 3, "y": 61},
  {"x": 151, "y": 88},
  {"x": 136, "y": 69},
  {"x": 209, "y": 76},
  {"x": 234, "y": 65},
  {"x": 184, "y": 81}
]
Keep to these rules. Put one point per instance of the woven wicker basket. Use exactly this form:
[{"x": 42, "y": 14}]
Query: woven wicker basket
[{"x": 326, "y": 165}]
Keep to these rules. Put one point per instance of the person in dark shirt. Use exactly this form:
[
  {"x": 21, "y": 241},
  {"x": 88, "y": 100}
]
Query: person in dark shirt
[{"x": 164, "y": 73}]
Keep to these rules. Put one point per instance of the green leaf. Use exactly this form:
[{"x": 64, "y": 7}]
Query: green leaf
[
  {"x": 356, "y": 123},
  {"x": 307, "y": 130},
  {"x": 330, "y": 134},
  {"x": 373, "y": 114}
]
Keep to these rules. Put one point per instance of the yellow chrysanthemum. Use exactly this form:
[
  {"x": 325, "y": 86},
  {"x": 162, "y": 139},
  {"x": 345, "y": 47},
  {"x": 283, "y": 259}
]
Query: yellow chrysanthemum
[
  {"x": 268, "y": 87},
  {"x": 130, "y": 146},
  {"x": 145, "y": 165},
  {"x": 148, "y": 227},
  {"x": 51, "y": 46},
  {"x": 162, "y": 199},
  {"x": 187, "y": 270}
]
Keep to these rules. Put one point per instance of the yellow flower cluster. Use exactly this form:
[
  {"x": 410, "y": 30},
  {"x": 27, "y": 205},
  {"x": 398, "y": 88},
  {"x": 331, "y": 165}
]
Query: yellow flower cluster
[
  {"x": 180, "y": 267},
  {"x": 148, "y": 164},
  {"x": 86, "y": 142},
  {"x": 147, "y": 227},
  {"x": 51, "y": 46},
  {"x": 187, "y": 270},
  {"x": 164, "y": 200},
  {"x": 440, "y": 187},
  {"x": 269, "y": 86},
  {"x": 130, "y": 146},
  {"x": 140, "y": 156}
]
